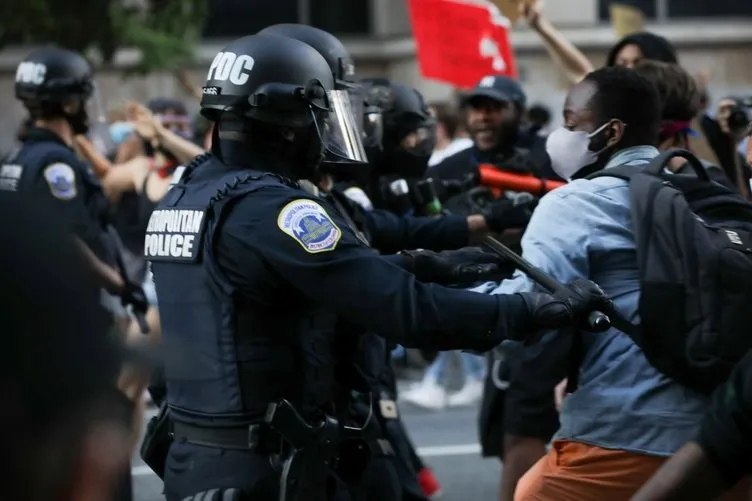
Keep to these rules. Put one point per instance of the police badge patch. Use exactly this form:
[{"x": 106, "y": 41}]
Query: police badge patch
[
  {"x": 62, "y": 181},
  {"x": 308, "y": 224}
]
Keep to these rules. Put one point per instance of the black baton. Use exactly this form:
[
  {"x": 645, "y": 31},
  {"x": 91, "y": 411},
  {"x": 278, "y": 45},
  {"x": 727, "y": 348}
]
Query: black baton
[{"x": 598, "y": 321}]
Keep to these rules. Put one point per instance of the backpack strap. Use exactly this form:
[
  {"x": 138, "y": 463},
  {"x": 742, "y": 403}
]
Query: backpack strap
[{"x": 660, "y": 162}]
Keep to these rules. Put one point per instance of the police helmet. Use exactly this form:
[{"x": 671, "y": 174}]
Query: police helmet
[
  {"x": 409, "y": 135},
  {"x": 284, "y": 82},
  {"x": 343, "y": 70},
  {"x": 326, "y": 44},
  {"x": 53, "y": 75}
]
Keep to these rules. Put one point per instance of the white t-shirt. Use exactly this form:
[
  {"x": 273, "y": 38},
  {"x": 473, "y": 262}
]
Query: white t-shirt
[{"x": 459, "y": 144}]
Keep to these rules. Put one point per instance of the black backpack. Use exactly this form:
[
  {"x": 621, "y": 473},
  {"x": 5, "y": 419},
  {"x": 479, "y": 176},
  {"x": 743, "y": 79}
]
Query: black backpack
[{"x": 694, "y": 252}]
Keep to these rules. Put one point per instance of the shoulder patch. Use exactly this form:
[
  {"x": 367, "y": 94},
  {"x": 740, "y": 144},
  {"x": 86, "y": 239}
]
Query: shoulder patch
[
  {"x": 308, "y": 224},
  {"x": 359, "y": 196},
  {"x": 61, "y": 179}
]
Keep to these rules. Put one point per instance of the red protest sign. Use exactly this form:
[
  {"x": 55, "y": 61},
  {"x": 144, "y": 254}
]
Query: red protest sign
[{"x": 459, "y": 42}]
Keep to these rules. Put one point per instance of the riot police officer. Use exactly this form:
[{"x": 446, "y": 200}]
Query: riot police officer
[
  {"x": 408, "y": 139},
  {"x": 54, "y": 85},
  {"x": 248, "y": 268}
]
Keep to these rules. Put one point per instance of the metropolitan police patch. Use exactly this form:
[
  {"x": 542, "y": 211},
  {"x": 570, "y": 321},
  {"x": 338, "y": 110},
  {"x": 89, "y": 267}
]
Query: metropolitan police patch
[
  {"x": 308, "y": 223},
  {"x": 62, "y": 181}
]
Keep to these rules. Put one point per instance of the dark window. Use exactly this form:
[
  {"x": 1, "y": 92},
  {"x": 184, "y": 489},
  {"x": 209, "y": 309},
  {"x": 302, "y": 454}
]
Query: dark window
[
  {"x": 341, "y": 17},
  {"x": 237, "y": 18},
  {"x": 709, "y": 8},
  {"x": 646, "y": 6}
]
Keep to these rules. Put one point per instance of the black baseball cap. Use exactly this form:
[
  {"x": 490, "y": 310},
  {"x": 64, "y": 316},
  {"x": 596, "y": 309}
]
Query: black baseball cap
[{"x": 499, "y": 88}]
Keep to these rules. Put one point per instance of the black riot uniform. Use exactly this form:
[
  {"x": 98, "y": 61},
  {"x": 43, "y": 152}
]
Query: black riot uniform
[
  {"x": 249, "y": 267},
  {"x": 45, "y": 167},
  {"x": 54, "y": 84}
]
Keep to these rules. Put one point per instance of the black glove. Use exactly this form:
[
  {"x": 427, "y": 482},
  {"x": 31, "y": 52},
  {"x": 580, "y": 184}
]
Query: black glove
[
  {"x": 457, "y": 267},
  {"x": 134, "y": 296},
  {"x": 510, "y": 213},
  {"x": 217, "y": 495},
  {"x": 568, "y": 307}
]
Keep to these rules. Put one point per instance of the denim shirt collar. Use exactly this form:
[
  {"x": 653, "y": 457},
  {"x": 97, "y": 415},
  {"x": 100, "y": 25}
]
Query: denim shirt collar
[{"x": 635, "y": 153}]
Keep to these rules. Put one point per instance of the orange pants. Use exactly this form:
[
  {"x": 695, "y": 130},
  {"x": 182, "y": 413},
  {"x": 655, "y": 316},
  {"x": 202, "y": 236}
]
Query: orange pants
[{"x": 573, "y": 471}]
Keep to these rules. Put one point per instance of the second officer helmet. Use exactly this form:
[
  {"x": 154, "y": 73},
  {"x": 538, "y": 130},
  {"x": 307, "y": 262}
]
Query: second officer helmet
[
  {"x": 53, "y": 82},
  {"x": 409, "y": 134},
  {"x": 343, "y": 69},
  {"x": 282, "y": 82},
  {"x": 326, "y": 44}
]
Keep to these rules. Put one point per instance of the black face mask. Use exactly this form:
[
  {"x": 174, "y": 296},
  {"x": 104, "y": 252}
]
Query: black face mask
[
  {"x": 308, "y": 153},
  {"x": 78, "y": 121},
  {"x": 394, "y": 159},
  {"x": 410, "y": 165}
]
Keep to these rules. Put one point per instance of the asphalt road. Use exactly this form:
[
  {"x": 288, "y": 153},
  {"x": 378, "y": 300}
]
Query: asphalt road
[{"x": 447, "y": 440}]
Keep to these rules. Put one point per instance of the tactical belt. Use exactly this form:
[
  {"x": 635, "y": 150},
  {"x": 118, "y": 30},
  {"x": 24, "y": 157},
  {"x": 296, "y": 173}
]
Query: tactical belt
[{"x": 256, "y": 437}]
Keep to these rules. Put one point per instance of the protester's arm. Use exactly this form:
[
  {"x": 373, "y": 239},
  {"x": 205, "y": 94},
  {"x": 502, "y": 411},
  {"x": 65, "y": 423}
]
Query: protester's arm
[
  {"x": 687, "y": 475},
  {"x": 126, "y": 178},
  {"x": 151, "y": 129},
  {"x": 99, "y": 164},
  {"x": 720, "y": 455},
  {"x": 574, "y": 63},
  {"x": 183, "y": 149}
]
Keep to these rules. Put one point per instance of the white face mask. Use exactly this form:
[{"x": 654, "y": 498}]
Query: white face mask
[{"x": 569, "y": 152}]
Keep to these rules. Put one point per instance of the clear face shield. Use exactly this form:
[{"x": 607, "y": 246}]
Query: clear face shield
[
  {"x": 340, "y": 133},
  {"x": 373, "y": 128},
  {"x": 368, "y": 118}
]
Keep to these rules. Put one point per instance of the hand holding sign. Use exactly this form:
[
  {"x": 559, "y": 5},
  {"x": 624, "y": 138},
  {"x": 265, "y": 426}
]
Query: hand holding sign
[
  {"x": 513, "y": 9},
  {"x": 474, "y": 44}
]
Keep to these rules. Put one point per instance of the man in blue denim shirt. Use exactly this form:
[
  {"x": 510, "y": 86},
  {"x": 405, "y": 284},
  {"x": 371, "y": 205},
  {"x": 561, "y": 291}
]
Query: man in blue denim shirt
[{"x": 626, "y": 417}]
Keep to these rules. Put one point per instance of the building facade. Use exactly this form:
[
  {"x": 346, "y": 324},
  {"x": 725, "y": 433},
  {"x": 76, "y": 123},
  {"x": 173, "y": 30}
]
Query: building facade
[{"x": 710, "y": 35}]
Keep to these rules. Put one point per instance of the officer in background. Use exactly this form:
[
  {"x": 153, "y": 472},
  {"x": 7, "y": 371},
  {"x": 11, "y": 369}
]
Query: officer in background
[
  {"x": 408, "y": 140},
  {"x": 247, "y": 265},
  {"x": 54, "y": 86}
]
